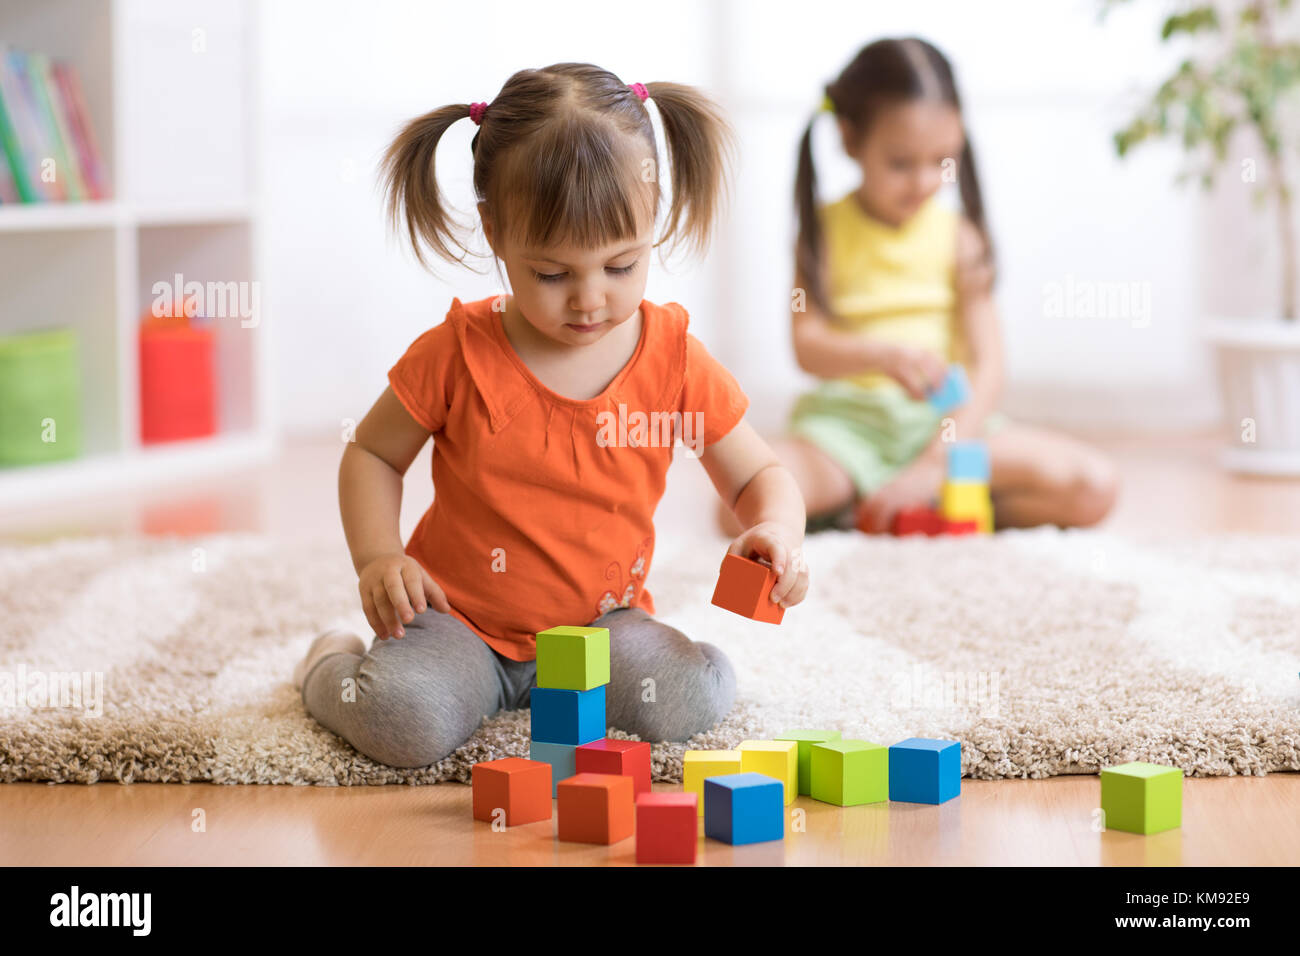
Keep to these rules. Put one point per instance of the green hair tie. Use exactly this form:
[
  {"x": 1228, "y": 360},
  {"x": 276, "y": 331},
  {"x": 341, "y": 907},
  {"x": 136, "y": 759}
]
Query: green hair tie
[{"x": 827, "y": 105}]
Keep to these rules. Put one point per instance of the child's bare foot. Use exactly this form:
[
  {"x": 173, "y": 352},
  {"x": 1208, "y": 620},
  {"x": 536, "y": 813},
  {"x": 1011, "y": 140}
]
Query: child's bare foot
[{"x": 336, "y": 640}]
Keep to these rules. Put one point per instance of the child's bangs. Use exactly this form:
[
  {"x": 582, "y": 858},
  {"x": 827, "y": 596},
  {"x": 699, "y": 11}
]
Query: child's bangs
[{"x": 579, "y": 184}]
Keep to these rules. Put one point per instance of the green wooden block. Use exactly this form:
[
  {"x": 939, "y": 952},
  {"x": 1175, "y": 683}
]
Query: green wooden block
[
  {"x": 849, "y": 772},
  {"x": 1142, "y": 797},
  {"x": 805, "y": 739},
  {"x": 573, "y": 658}
]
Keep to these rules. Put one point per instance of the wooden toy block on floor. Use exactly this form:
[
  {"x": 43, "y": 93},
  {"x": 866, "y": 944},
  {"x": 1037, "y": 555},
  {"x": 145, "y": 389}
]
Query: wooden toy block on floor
[
  {"x": 667, "y": 827},
  {"x": 595, "y": 808},
  {"x": 573, "y": 658},
  {"x": 699, "y": 764},
  {"x": 776, "y": 758},
  {"x": 969, "y": 461},
  {"x": 953, "y": 392},
  {"x": 805, "y": 739},
  {"x": 850, "y": 772},
  {"x": 963, "y": 500},
  {"x": 925, "y": 521},
  {"x": 561, "y": 757},
  {"x": 744, "y": 808},
  {"x": 631, "y": 758},
  {"x": 924, "y": 771},
  {"x": 1142, "y": 797},
  {"x": 521, "y": 788},
  {"x": 568, "y": 716},
  {"x": 745, "y": 587}
]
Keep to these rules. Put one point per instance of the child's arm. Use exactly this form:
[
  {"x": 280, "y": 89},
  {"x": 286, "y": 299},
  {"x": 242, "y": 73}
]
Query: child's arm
[
  {"x": 766, "y": 501},
  {"x": 977, "y": 318},
  {"x": 826, "y": 351},
  {"x": 370, "y": 499}
]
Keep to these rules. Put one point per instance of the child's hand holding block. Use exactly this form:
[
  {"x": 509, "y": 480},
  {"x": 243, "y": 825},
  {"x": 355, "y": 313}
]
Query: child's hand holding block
[
  {"x": 745, "y": 588},
  {"x": 954, "y": 392}
]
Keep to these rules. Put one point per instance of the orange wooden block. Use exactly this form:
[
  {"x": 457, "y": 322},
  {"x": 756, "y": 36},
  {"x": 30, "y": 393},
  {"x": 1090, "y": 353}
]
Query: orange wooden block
[
  {"x": 522, "y": 788},
  {"x": 744, "y": 587},
  {"x": 595, "y": 808}
]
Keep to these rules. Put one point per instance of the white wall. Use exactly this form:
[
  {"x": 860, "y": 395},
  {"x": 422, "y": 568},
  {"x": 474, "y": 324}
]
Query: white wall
[{"x": 1045, "y": 86}]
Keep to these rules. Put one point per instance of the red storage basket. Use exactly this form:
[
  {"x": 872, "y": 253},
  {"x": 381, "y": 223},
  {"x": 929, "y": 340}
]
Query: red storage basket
[{"x": 177, "y": 381}]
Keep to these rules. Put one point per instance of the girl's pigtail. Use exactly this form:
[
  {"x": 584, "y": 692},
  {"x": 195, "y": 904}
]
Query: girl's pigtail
[
  {"x": 700, "y": 146},
  {"x": 972, "y": 200},
  {"x": 808, "y": 246},
  {"x": 410, "y": 184}
]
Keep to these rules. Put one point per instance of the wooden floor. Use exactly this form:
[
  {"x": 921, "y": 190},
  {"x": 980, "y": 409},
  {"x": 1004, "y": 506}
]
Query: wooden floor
[{"x": 1169, "y": 484}]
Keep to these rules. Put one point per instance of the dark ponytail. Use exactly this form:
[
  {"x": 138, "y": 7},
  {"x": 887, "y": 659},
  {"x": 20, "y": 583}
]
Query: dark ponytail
[
  {"x": 808, "y": 246},
  {"x": 409, "y": 183}
]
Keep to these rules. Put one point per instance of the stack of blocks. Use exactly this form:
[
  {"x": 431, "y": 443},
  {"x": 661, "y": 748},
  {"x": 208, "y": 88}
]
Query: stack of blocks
[
  {"x": 965, "y": 493},
  {"x": 568, "y": 703},
  {"x": 965, "y": 506}
]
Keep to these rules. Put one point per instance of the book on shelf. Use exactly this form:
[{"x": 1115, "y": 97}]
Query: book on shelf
[{"x": 45, "y": 128}]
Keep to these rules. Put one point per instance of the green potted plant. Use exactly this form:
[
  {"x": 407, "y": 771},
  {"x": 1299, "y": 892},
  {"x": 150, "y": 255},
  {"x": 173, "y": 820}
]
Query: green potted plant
[{"x": 1242, "y": 79}]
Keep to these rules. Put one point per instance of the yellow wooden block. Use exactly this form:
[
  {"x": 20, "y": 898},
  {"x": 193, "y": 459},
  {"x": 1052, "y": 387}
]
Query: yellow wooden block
[
  {"x": 776, "y": 758},
  {"x": 963, "y": 500},
  {"x": 698, "y": 764}
]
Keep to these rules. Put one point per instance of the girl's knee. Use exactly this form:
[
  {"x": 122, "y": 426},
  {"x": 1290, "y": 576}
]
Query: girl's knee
[
  {"x": 696, "y": 700},
  {"x": 399, "y": 724},
  {"x": 1093, "y": 491},
  {"x": 399, "y": 736}
]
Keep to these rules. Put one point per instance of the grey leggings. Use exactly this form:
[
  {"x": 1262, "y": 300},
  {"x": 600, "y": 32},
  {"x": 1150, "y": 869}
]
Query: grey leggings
[{"x": 416, "y": 699}]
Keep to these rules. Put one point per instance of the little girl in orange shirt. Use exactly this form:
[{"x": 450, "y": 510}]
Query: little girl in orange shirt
[{"x": 554, "y": 412}]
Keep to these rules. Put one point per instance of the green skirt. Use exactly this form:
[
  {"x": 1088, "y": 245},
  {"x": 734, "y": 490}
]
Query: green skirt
[{"x": 872, "y": 433}]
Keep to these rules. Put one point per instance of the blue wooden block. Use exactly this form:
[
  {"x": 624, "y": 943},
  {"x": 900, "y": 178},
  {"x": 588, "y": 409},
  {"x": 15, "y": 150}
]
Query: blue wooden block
[
  {"x": 563, "y": 759},
  {"x": 954, "y": 391},
  {"x": 924, "y": 771},
  {"x": 744, "y": 808},
  {"x": 568, "y": 716},
  {"x": 968, "y": 461}
]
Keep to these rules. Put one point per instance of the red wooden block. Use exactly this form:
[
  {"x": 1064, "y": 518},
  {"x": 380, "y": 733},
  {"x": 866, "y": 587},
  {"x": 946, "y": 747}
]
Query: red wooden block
[
  {"x": 522, "y": 788},
  {"x": 965, "y": 526},
  {"x": 667, "y": 827},
  {"x": 744, "y": 587},
  {"x": 918, "y": 521},
  {"x": 595, "y": 808},
  {"x": 631, "y": 758}
]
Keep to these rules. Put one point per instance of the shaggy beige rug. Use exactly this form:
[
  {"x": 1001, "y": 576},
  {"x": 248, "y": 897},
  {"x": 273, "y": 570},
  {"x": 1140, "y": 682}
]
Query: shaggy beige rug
[{"x": 1044, "y": 652}]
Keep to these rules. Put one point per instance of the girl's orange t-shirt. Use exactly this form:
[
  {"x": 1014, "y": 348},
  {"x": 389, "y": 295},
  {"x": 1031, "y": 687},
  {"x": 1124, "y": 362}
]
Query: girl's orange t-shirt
[{"x": 543, "y": 505}]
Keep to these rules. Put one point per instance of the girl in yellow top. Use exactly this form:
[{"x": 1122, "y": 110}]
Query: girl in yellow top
[{"x": 896, "y": 287}]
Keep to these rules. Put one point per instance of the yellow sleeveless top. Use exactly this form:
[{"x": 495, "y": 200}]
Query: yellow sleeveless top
[{"x": 893, "y": 284}]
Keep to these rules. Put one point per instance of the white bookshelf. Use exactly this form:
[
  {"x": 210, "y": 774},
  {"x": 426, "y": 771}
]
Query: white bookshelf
[{"x": 171, "y": 88}]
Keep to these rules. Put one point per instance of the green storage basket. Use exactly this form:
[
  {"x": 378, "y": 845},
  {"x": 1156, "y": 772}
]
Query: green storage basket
[{"x": 40, "y": 379}]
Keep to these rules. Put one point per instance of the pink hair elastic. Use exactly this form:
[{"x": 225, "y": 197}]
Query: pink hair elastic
[
  {"x": 640, "y": 90},
  {"x": 476, "y": 111}
]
